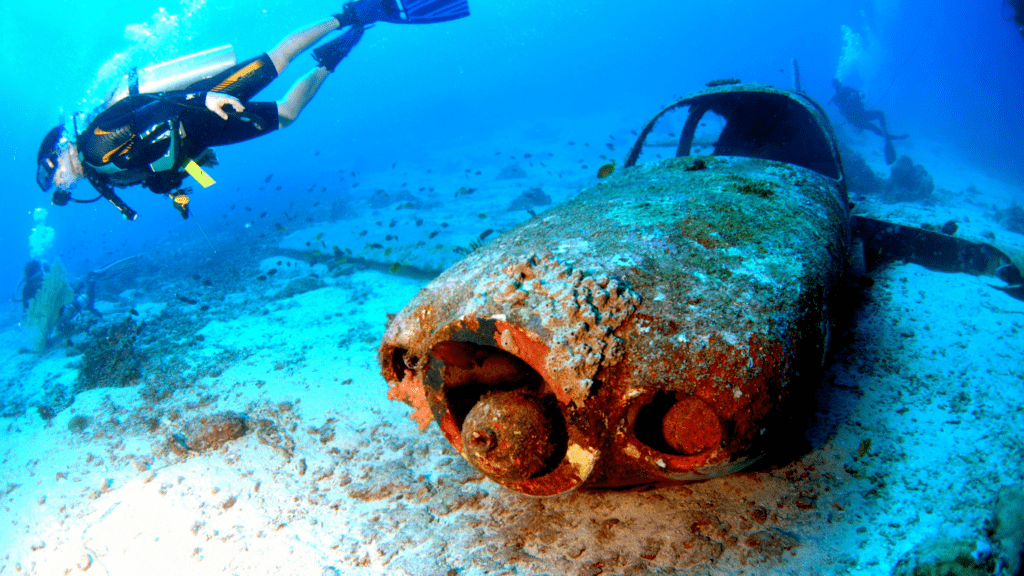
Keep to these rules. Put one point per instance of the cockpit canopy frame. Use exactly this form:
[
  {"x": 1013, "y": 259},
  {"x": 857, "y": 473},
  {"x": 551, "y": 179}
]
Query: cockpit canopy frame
[{"x": 760, "y": 122}]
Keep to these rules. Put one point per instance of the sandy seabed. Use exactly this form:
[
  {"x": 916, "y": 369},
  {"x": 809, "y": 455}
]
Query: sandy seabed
[{"x": 918, "y": 429}]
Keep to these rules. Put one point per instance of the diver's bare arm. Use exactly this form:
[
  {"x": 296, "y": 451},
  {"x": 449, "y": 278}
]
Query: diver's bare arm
[{"x": 292, "y": 46}]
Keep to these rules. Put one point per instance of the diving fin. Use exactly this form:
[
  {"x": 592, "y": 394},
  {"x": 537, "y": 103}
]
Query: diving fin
[
  {"x": 330, "y": 53},
  {"x": 403, "y": 11},
  {"x": 890, "y": 151}
]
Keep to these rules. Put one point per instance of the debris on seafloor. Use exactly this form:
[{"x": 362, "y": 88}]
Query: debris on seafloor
[
  {"x": 110, "y": 359},
  {"x": 207, "y": 433}
]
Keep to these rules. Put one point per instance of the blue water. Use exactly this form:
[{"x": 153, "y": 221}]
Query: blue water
[{"x": 948, "y": 71}]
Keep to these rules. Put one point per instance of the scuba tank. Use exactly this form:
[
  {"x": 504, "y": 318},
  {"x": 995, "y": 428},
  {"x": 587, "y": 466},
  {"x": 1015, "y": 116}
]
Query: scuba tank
[{"x": 174, "y": 74}]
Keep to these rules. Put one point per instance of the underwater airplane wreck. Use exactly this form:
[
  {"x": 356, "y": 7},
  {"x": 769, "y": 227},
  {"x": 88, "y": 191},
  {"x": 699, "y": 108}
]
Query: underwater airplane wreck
[{"x": 666, "y": 324}]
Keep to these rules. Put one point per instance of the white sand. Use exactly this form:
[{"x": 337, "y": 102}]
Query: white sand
[{"x": 334, "y": 479}]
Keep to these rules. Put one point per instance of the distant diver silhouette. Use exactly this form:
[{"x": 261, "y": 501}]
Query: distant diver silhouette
[
  {"x": 1018, "y": 13},
  {"x": 851, "y": 103}
]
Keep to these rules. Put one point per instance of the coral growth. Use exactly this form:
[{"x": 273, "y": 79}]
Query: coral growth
[
  {"x": 859, "y": 175},
  {"x": 908, "y": 182},
  {"x": 581, "y": 312},
  {"x": 1000, "y": 554},
  {"x": 44, "y": 312},
  {"x": 511, "y": 172},
  {"x": 532, "y": 197},
  {"x": 110, "y": 360},
  {"x": 950, "y": 558},
  {"x": 208, "y": 433},
  {"x": 1011, "y": 218}
]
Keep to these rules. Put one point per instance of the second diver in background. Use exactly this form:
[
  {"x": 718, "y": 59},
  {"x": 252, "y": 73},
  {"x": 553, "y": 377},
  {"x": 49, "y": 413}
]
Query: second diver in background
[
  {"x": 155, "y": 139},
  {"x": 851, "y": 103}
]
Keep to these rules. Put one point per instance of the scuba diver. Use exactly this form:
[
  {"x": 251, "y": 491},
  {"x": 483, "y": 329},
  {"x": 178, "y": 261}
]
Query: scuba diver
[
  {"x": 33, "y": 281},
  {"x": 851, "y": 103},
  {"x": 155, "y": 139}
]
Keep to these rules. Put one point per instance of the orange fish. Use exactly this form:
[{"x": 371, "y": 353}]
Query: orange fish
[{"x": 606, "y": 170}]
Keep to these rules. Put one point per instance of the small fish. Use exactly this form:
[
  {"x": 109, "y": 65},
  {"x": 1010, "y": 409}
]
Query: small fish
[
  {"x": 375, "y": 246},
  {"x": 527, "y": 155},
  {"x": 267, "y": 179},
  {"x": 261, "y": 277},
  {"x": 279, "y": 227},
  {"x": 486, "y": 233},
  {"x": 387, "y": 252},
  {"x": 444, "y": 224},
  {"x": 390, "y": 237},
  {"x": 434, "y": 233},
  {"x": 319, "y": 236},
  {"x": 865, "y": 445},
  {"x": 336, "y": 250},
  {"x": 363, "y": 233},
  {"x": 133, "y": 312},
  {"x": 606, "y": 170},
  {"x": 186, "y": 299},
  {"x": 272, "y": 271},
  {"x": 263, "y": 214},
  {"x": 419, "y": 221},
  {"x": 278, "y": 189},
  {"x": 395, "y": 268},
  {"x": 482, "y": 216}
]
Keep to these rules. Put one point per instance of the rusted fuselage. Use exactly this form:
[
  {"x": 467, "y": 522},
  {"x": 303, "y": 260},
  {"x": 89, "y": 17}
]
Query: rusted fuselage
[{"x": 654, "y": 328}]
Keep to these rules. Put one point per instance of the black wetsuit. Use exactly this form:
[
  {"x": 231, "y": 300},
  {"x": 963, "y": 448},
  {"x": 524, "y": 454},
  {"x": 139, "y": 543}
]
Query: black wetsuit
[
  {"x": 147, "y": 138},
  {"x": 851, "y": 103},
  {"x": 33, "y": 282}
]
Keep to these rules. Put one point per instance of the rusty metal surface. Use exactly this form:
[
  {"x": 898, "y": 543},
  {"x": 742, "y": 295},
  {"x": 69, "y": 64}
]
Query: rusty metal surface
[{"x": 662, "y": 317}]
